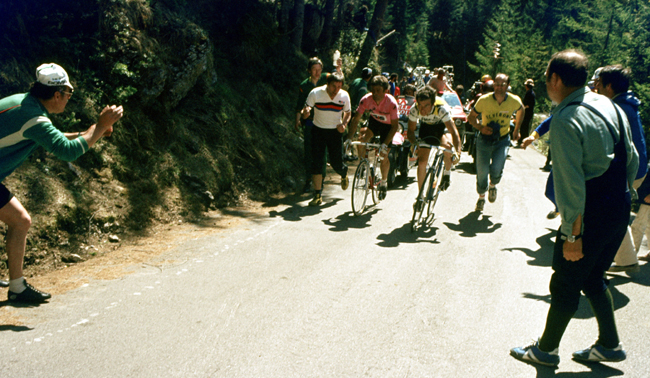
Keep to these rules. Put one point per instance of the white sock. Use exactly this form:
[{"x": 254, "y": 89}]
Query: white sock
[
  {"x": 18, "y": 285},
  {"x": 492, "y": 186},
  {"x": 447, "y": 172}
]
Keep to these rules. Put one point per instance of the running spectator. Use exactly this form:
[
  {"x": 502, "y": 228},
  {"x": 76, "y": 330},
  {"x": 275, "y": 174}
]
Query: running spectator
[
  {"x": 614, "y": 83},
  {"x": 316, "y": 78},
  {"x": 492, "y": 146},
  {"x": 595, "y": 163},
  {"x": 26, "y": 126},
  {"x": 331, "y": 107}
]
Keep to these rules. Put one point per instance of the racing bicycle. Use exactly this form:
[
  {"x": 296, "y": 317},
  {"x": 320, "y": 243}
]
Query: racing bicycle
[
  {"x": 366, "y": 178},
  {"x": 430, "y": 190}
]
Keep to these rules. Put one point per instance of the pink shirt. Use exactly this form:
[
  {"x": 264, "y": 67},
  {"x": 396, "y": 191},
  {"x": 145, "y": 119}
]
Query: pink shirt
[{"x": 384, "y": 112}]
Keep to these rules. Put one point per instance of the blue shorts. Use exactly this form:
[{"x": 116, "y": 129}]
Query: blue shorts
[{"x": 5, "y": 195}]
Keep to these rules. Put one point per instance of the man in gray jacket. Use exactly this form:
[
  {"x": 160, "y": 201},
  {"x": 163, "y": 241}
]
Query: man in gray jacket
[{"x": 594, "y": 164}]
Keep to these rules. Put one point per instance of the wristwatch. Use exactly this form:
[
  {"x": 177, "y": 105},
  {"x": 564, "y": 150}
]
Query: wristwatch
[{"x": 572, "y": 238}]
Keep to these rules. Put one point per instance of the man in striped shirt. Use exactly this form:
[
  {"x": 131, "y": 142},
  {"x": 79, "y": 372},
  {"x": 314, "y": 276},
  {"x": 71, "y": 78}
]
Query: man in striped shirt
[
  {"x": 24, "y": 126},
  {"x": 331, "y": 106}
]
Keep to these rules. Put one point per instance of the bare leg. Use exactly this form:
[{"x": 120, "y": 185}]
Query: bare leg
[
  {"x": 18, "y": 222},
  {"x": 317, "y": 180},
  {"x": 423, "y": 158}
]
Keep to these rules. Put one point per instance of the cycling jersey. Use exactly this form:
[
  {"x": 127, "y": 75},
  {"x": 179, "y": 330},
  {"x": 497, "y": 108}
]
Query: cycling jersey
[
  {"x": 384, "y": 112},
  {"x": 441, "y": 113}
]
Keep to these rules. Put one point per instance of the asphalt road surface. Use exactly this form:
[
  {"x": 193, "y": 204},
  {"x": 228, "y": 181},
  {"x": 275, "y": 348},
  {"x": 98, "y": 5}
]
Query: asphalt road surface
[{"x": 318, "y": 292}]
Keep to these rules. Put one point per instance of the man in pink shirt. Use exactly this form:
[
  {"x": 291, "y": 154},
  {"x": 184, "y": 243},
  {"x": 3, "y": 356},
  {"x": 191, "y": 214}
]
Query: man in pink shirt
[{"x": 383, "y": 121}]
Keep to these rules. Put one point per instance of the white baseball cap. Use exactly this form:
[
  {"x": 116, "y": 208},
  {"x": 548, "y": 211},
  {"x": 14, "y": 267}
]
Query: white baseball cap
[{"x": 52, "y": 75}]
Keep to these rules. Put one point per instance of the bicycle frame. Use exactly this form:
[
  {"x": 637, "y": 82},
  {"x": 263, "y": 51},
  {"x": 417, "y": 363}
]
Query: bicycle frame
[
  {"x": 428, "y": 193},
  {"x": 366, "y": 176}
]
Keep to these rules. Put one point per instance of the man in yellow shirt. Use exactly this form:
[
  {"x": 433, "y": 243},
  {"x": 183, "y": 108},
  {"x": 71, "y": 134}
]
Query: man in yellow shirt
[{"x": 492, "y": 146}]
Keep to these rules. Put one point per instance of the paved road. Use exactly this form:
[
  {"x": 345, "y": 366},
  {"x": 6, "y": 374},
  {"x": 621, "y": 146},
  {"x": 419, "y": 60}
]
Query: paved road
[{"x": 304, "y": 292}]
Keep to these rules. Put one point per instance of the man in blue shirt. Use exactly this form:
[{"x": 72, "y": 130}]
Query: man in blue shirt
[
  {"x": 594, "y": 164},
  {"x": 25, "y": 125},
  {"x": 614, "y": 83}
]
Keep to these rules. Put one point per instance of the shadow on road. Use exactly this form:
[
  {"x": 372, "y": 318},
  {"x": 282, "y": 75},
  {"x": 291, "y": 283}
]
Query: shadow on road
[
  {"x": 347, "y": 221},
  {"x": 543, "y": 256},
  {"x": 296, "y": 212},
  {"x": 467, "y": 167},
  {"x": 473, "y": 224},
  {"x": 14, "y": 328},
  {"x": 597, "y": 371},
  {"x": 404, "y": 235},
  {"x": 20, "y": 305}
]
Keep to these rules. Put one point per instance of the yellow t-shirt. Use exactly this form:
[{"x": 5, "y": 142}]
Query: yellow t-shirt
[{"x": 491, "y": 111}]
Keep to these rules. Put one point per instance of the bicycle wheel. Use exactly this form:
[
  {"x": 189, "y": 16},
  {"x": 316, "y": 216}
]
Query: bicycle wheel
[
  {"x": 434, "y": 190},
  {"x": 360, "y": 187},
  {"x": 422, "y": 198}
]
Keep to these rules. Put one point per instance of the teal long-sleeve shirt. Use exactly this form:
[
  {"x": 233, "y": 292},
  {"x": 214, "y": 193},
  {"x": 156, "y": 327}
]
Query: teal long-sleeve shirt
[
  {"x": 25, "y": 125},
  {"x": 582, "y": 149}
]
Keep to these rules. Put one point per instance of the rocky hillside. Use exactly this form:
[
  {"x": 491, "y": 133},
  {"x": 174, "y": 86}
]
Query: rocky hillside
[{"x": 208, "y": 109}]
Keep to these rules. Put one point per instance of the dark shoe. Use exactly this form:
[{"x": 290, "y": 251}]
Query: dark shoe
[
  {"x": 533, "y": 354},
  {"x": 383, "y": 188},
  {"x": 480, "y": 204},
  {"x": 418, "y": 205},
  {"x": 345, "y": 182},
  {"x": 546, "y": 168},
  {"x": 633, "y": 268},
  {"x": 492, "y": 194},
  {"x": 444, "y": 183},
  {"x": 552, "y": 214},
  {"x": 29, "y": 295},
  {"x": 4, "y": 284},
  {"x": 316, "y": 201},
  {"x": 598, "y": 353}
]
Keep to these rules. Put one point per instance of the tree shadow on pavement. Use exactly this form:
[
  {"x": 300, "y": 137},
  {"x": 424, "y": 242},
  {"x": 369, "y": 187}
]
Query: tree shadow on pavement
[
  {"x": 466, "y": 167},
  {"x": 348, "y": 220},
  {"x": 543, "y": 256},
  {"x": 405, "y": 235},
  {"x": 597, "y": 371},
  {"x": 296, "y": 212},
  {"x": 473, "y": 224}
]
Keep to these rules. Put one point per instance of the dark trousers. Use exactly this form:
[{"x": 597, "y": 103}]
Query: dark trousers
[
  {"x": 327, "y": 141},
  {"x": 307, "y": 134}
]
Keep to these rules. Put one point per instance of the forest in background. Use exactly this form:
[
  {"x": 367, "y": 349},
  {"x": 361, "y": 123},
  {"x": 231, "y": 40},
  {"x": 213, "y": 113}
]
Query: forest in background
[{"x": 209, "y": 89}]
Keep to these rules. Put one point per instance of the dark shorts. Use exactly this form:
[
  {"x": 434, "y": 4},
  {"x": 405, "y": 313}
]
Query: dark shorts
[
  {"x": 378, "y": 128},
  {"x": 432, "y": 134},
  {"x": 5, "y": 195}
]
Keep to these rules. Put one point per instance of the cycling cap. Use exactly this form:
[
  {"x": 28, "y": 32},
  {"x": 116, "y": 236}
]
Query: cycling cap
[
  {"x": 52, "y": 75},
  {"x": 597, "y": 74},
  {"x": 366, "y": 72},
  {"x": 530, "y": 82}
]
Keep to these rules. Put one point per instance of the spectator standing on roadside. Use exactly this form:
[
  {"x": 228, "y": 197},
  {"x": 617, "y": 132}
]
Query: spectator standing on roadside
[
  {"x": 25, "y": 126},
  {"x": 316, "y": 78},
  {"x": 595, "y": 163},
  {"x": 331, "y": 107},
  {"x": 529, "y": 107},
  {"x": 392, "y": 82},
  {"x": 439, "y": 83},
  {"x": 614, "y": 83},
  {"x": 496, "y": 110},
  {"x": 427, "y": 77}
]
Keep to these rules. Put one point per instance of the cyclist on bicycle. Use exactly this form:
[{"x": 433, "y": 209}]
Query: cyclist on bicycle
[
  {"x": 383, "y": 121},
  {"x": 434, "y": 115}
]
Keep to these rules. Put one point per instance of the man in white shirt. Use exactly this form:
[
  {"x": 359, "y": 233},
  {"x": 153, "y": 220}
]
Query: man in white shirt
[{"x": 332, "y": 108}]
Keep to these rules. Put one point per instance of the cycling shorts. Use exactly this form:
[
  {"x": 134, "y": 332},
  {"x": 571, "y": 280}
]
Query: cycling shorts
[
  {"x": 432, "y": 134},
  {"x": 378, "y": 128},
  {"x": 5, "y": 195}
]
